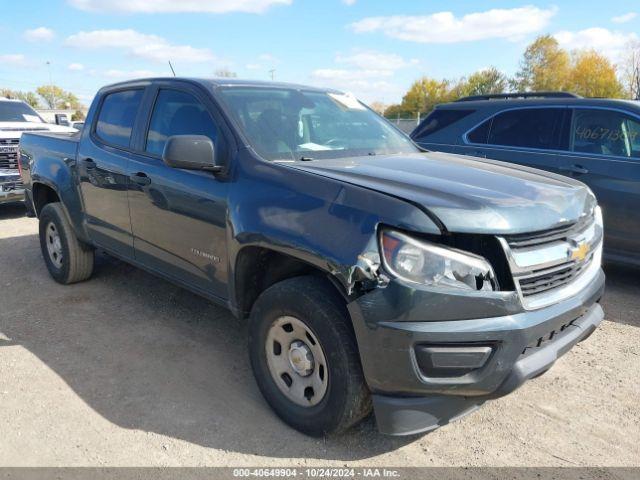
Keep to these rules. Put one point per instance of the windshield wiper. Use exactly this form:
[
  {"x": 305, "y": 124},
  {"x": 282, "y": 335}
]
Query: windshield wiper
[{"x": 306, "y": 159}]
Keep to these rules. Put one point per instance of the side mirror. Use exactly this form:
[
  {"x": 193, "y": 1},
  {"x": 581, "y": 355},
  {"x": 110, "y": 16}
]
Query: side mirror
[{"x": 191, "y": 152}]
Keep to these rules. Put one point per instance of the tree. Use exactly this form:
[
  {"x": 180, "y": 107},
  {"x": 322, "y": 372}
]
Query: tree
[
  {"x": 593, "y": 75},
  {"x": 378, "y": 107},
  {"x": 486, "y": 82},
  {"x": 225, "y": 73},
  {"x": 56, "y": 97},
  {"x": 29, "y": 98},
  {"x": 630, "y": 70},
  {"x": 425, "y": 94},
  {"x": 545, "y": 67}
]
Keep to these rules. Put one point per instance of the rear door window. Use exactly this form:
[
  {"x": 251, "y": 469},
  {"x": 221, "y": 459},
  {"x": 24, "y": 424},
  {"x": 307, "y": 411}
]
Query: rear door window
[
  {"x": 437, "y": 120},
  {"x": 529, "y": 128},
  {"x": 117, "y": 116},
  {"x": 606, "y": 132}
]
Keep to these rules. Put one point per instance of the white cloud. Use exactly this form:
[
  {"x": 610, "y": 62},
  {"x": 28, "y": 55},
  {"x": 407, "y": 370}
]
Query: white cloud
[
  {"x": 149, "y": 47},
  {"x": 445, "y": 27},
  {"x": 367, "y": 90},
  {"x": 374, "y": 60},
  {"x": 605, "y": 41},
  {"x": 627, "y": 17},
  {"x": 40, "y": 34},
  {"x": 349, "y": 2},
  {"x": 15, "y": 59},
  {"x": 177, "y": 6},
  {"x": 75, "y": 67},
  {"x": 126, "y": 74},
  {"x": 366, "y": 73}
]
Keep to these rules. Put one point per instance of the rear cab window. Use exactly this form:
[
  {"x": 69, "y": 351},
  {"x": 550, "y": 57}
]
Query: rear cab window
[
  {"x": 605, "y": 132},
  {"x": 117, "y": 116}
]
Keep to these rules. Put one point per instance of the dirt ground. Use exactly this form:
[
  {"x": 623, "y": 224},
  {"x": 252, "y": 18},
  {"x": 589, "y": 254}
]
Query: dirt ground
[{"x": 129, "y": 370}]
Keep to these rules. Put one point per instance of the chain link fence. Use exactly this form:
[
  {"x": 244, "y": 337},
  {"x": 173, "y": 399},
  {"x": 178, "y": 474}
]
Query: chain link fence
[{"x": 407, "y": 125}]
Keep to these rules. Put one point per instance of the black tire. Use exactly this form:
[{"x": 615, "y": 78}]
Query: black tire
[
  {"x": 317, "y": 304},
  {"x": 75, "y": 263}
]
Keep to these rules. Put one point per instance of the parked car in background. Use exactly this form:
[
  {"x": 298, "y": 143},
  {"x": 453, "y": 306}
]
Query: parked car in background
[
  {"x": 596, "y": 141},
  {"x": 372, "y": 275},
  {"x": 16, "y": 117}
]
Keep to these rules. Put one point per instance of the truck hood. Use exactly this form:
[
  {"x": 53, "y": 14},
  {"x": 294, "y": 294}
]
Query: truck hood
[
  {"x": 466, "y": 194},
  {"x": 15, "y": 129}
]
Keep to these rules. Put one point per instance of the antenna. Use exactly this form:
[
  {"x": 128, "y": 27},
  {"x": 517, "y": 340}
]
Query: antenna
[
  {"x": 272, "y": 73},
  {"x": 171, "y": 67}
]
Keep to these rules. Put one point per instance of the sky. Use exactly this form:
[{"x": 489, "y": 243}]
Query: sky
[{"x": 372, "y": 48}]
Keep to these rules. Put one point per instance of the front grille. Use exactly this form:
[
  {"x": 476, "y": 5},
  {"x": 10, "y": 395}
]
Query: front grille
[
  {"x": 9, "y": 141},
  {"x": 548, "y": 279},
  {"x": 9, "y": 160},
  {"x": 544, "y": 264}
]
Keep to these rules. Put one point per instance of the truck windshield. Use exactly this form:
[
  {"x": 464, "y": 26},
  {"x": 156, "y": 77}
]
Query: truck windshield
[
  {"x": 290, "y": 124},
  {"x": 18, "y": 112}
]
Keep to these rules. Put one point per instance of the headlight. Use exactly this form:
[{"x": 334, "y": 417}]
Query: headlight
[{"x": 430, "y": 264}]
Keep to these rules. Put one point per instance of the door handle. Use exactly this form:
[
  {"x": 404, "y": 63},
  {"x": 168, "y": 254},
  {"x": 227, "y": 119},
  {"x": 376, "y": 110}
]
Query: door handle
[
  {"x": 575, "y": 168},
  {"x": 89, "y": 163},
  {"x": 140, "y": 178}
]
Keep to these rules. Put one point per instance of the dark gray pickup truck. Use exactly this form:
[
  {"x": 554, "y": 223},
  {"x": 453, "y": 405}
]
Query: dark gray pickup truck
[{"x": 373, "y": 275}]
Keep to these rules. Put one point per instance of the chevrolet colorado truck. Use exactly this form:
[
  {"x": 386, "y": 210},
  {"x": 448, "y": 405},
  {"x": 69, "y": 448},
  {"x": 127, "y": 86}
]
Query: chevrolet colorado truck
[
  {"x": 373, "y": 275},
  {"x": 16, "y": 117}
]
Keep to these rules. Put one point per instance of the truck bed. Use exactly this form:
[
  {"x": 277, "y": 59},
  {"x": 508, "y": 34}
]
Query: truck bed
[{"x": 49, "y": 145}]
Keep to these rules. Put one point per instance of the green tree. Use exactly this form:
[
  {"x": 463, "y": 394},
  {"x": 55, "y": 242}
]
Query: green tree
[
  {"x": 56, "y": 97},
  {"x": 27, "y": 97},
  {"x": 486, "y": 82},
  {"x": 545, "y": 67},
  {"x": 425, "y": 94},
  {"x": 593, "y": 75}
]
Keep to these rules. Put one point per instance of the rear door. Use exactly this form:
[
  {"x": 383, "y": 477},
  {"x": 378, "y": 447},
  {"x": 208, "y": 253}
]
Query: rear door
[
  {"x": 533, "y": 136},
  {"x": 605, "y": 146},
  {"x": 179, "y": 216},
  {"x": 103, "y": 158}
]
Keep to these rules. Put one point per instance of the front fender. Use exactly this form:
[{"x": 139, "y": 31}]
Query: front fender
[{"x": 324, "y": 222}]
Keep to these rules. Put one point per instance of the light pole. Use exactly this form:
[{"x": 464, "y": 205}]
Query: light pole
[{"x": 272, "y": 73}]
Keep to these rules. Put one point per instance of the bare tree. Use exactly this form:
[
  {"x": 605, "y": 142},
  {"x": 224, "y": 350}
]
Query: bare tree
[{"x": 630, "y": 69}]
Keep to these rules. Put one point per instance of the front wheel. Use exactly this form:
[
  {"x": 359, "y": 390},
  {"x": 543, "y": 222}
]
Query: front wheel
[
  {"x": 304, "y": 357},
  {"x": 67, "y": 258}
]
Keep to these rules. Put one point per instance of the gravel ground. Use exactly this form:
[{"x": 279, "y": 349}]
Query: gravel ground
[{"x": 129, "y": 370}]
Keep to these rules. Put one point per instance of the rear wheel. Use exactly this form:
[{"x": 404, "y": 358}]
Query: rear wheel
[
  {"x": 304, "y": 356},
  {"x": 67, "y": 258}
]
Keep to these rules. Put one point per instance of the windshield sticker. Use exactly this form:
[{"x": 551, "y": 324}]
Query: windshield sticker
[
  {"x": 31, "y": 118},
  {"x": 347, "y": 100},
  {"x": 314, "y": 146}
]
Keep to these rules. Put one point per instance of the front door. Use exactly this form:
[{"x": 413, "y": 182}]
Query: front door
[
  {"x": 606, "y": 156},
  {"x": 102, "y": 165},
  {"x": 178, "y": 216}
]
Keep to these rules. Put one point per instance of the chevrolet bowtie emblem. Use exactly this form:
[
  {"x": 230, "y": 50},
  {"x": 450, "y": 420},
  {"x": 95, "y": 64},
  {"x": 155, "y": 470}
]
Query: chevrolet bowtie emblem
[{"x": 580, "y": 252}]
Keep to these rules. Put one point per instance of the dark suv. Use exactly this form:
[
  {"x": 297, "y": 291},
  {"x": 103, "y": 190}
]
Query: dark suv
[{"x": 596, "y": 141}]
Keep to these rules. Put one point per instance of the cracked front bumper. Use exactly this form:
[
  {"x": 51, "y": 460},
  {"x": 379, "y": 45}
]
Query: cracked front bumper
[{"x": 395, "y": 322}]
